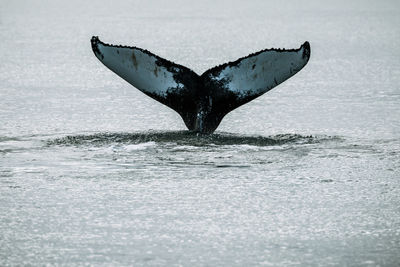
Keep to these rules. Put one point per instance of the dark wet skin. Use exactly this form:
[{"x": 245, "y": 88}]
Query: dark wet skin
[{"x": 203, "y": 101}]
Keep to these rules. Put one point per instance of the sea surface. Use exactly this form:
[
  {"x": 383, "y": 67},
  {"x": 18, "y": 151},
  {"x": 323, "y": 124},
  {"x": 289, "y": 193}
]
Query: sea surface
[{"x": 93, "y": 172}]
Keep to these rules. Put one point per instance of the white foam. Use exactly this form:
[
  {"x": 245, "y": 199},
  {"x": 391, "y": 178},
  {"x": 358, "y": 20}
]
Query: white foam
[{"x": 141, "y": 146}]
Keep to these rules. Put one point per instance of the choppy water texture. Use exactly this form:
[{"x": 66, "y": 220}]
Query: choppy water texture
[{"x": 93, "y": 172}]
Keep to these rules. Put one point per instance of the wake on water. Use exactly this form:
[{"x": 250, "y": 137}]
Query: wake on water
[{"x": 188, "y": 138}]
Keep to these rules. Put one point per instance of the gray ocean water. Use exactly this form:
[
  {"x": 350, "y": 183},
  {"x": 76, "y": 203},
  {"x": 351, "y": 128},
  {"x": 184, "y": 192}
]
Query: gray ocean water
[{"x": 93, "y": 172}]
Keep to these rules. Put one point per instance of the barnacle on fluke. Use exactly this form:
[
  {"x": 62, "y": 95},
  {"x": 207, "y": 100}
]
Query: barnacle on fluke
[{"x": 202, "y": 100}]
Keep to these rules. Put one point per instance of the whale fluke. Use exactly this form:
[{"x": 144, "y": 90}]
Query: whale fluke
[{"x": 202, "y": 101}]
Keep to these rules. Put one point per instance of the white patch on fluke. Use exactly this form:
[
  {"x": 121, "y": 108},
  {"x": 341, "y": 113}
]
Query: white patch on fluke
[
  {"x": 260, "y": 73},
  {"x": 138, "y": 68}
]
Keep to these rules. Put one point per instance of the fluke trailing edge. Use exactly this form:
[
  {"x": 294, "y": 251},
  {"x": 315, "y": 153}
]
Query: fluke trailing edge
[{"x": 202, "y": 101}]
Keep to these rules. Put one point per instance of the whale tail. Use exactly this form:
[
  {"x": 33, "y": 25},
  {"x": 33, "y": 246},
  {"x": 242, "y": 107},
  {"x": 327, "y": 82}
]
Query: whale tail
[{"x": 202, "y": 101}]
